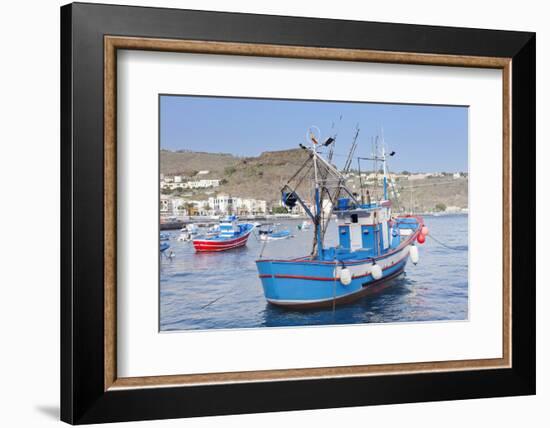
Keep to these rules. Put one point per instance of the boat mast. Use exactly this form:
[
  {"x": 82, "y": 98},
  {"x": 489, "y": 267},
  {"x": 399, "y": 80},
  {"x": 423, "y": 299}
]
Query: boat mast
[
  {"x": 318, "y": 242},
  {"x": 385, "y": 172},
  {"x": 380, "y": 156},
  {"x": 384, "y": 165}
]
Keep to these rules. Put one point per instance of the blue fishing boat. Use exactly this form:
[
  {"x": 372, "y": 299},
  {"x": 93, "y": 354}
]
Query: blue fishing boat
[
  {"x": 164, "y": 246},
  {"x": 373, "y": 245}
]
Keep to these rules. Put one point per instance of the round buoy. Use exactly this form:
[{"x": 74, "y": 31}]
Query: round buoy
[
  {"x": 421, "y": 238},
  {"x": 413, "y": 253},
  {"x": 376, "y": 271},
  {"x": 345, "y": 276},
  {"x": 424, "y": 231}
]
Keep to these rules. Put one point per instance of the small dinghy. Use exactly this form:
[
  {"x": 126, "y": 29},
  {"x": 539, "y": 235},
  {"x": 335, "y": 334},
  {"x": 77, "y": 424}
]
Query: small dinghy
[
  {"x": 231, "y": 235},
  {"x": 184, "y": 236},
  {"x": 271, "y": 234},
  {"x": 164, "y": 246},
  {"x": 305, "y": 225},
  {"x": 187, "y": 233}
]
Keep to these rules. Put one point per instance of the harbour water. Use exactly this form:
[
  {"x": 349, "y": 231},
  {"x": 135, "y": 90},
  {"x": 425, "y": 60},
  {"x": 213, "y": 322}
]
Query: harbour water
[{"x": 222, "y": 290}]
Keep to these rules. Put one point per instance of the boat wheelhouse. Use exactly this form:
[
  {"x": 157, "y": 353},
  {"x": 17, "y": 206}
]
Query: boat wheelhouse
[{"x": 373, "y": 245}]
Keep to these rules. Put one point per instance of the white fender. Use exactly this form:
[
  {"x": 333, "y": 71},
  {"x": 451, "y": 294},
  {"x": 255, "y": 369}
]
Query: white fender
[
  {"x": 413, "y": 254},
  {"x": 345, "y": 276},
  {"x": 376, "y": 271}
]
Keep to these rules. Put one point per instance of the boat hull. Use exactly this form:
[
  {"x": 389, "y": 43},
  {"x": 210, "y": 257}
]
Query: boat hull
[
  {"x": 373, "y": 288},
  {"x": 306, "y": 284},
  {"x": 213, "y": 245}
]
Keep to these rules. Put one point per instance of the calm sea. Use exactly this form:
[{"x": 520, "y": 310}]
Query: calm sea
[{"x": 222, "y": 290}]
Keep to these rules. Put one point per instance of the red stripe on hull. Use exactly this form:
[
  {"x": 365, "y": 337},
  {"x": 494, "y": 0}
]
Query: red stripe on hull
[
  {"x": 324, "y": 278},
  {"x": 212, "y": 245},
  {"x": 214, "y": 249}
]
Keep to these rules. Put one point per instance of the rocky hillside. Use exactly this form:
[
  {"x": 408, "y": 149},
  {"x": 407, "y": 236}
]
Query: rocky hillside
[
  {"x": 425, "y": 195},
  {"x": 263, "y": 176},
  {"x": 258, "y": 177},
  {"x": 187, "y": 163}
]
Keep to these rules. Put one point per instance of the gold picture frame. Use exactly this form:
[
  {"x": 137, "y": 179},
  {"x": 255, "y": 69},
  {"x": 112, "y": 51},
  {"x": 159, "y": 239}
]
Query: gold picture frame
[{"x": 114, "y": 43}]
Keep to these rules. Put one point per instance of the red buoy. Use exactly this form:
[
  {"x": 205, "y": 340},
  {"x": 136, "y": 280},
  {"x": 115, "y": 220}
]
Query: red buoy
[
  {"x": 424, "y": 231},
  {"x": 421, "y": 238}
]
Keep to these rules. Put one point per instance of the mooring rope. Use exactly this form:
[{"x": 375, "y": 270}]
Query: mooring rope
[
  {"x": 461, "y": 248},
  {"x": 213, "y": 301},
  {"x": 262, "y": 249},
  {"x": 256, "y": 236}
]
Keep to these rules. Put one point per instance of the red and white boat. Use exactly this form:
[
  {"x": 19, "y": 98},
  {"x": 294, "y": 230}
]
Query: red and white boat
[{"x": 231, "y": 235}]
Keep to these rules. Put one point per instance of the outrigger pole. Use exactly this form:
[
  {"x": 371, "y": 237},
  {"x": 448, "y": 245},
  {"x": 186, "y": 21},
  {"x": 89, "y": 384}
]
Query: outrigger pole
[
  {"x": 341, "y": 182},
  {"x": 329, "y": 183}
]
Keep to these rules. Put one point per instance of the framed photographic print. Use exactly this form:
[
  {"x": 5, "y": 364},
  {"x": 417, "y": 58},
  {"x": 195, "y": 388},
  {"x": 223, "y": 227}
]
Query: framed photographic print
[{"x": 265, "y": 213}]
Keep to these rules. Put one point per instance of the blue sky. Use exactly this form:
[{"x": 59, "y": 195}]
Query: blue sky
[{"x": 425, "y": 138}]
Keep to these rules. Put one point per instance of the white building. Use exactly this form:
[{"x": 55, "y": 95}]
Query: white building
[
  {"x": 225, "y": 204},
  {"x": 184, "y": 207},
  {"x": 250, "y": 206},
  {"x": 171, "y": 185},
  {"x": 218, "y": 205},
  {"x": 165, "y": 204},
  {"x": 177, "y": 182},
  {"x": 221, "y": 204},
  {"x": 202, "y": 184}
]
